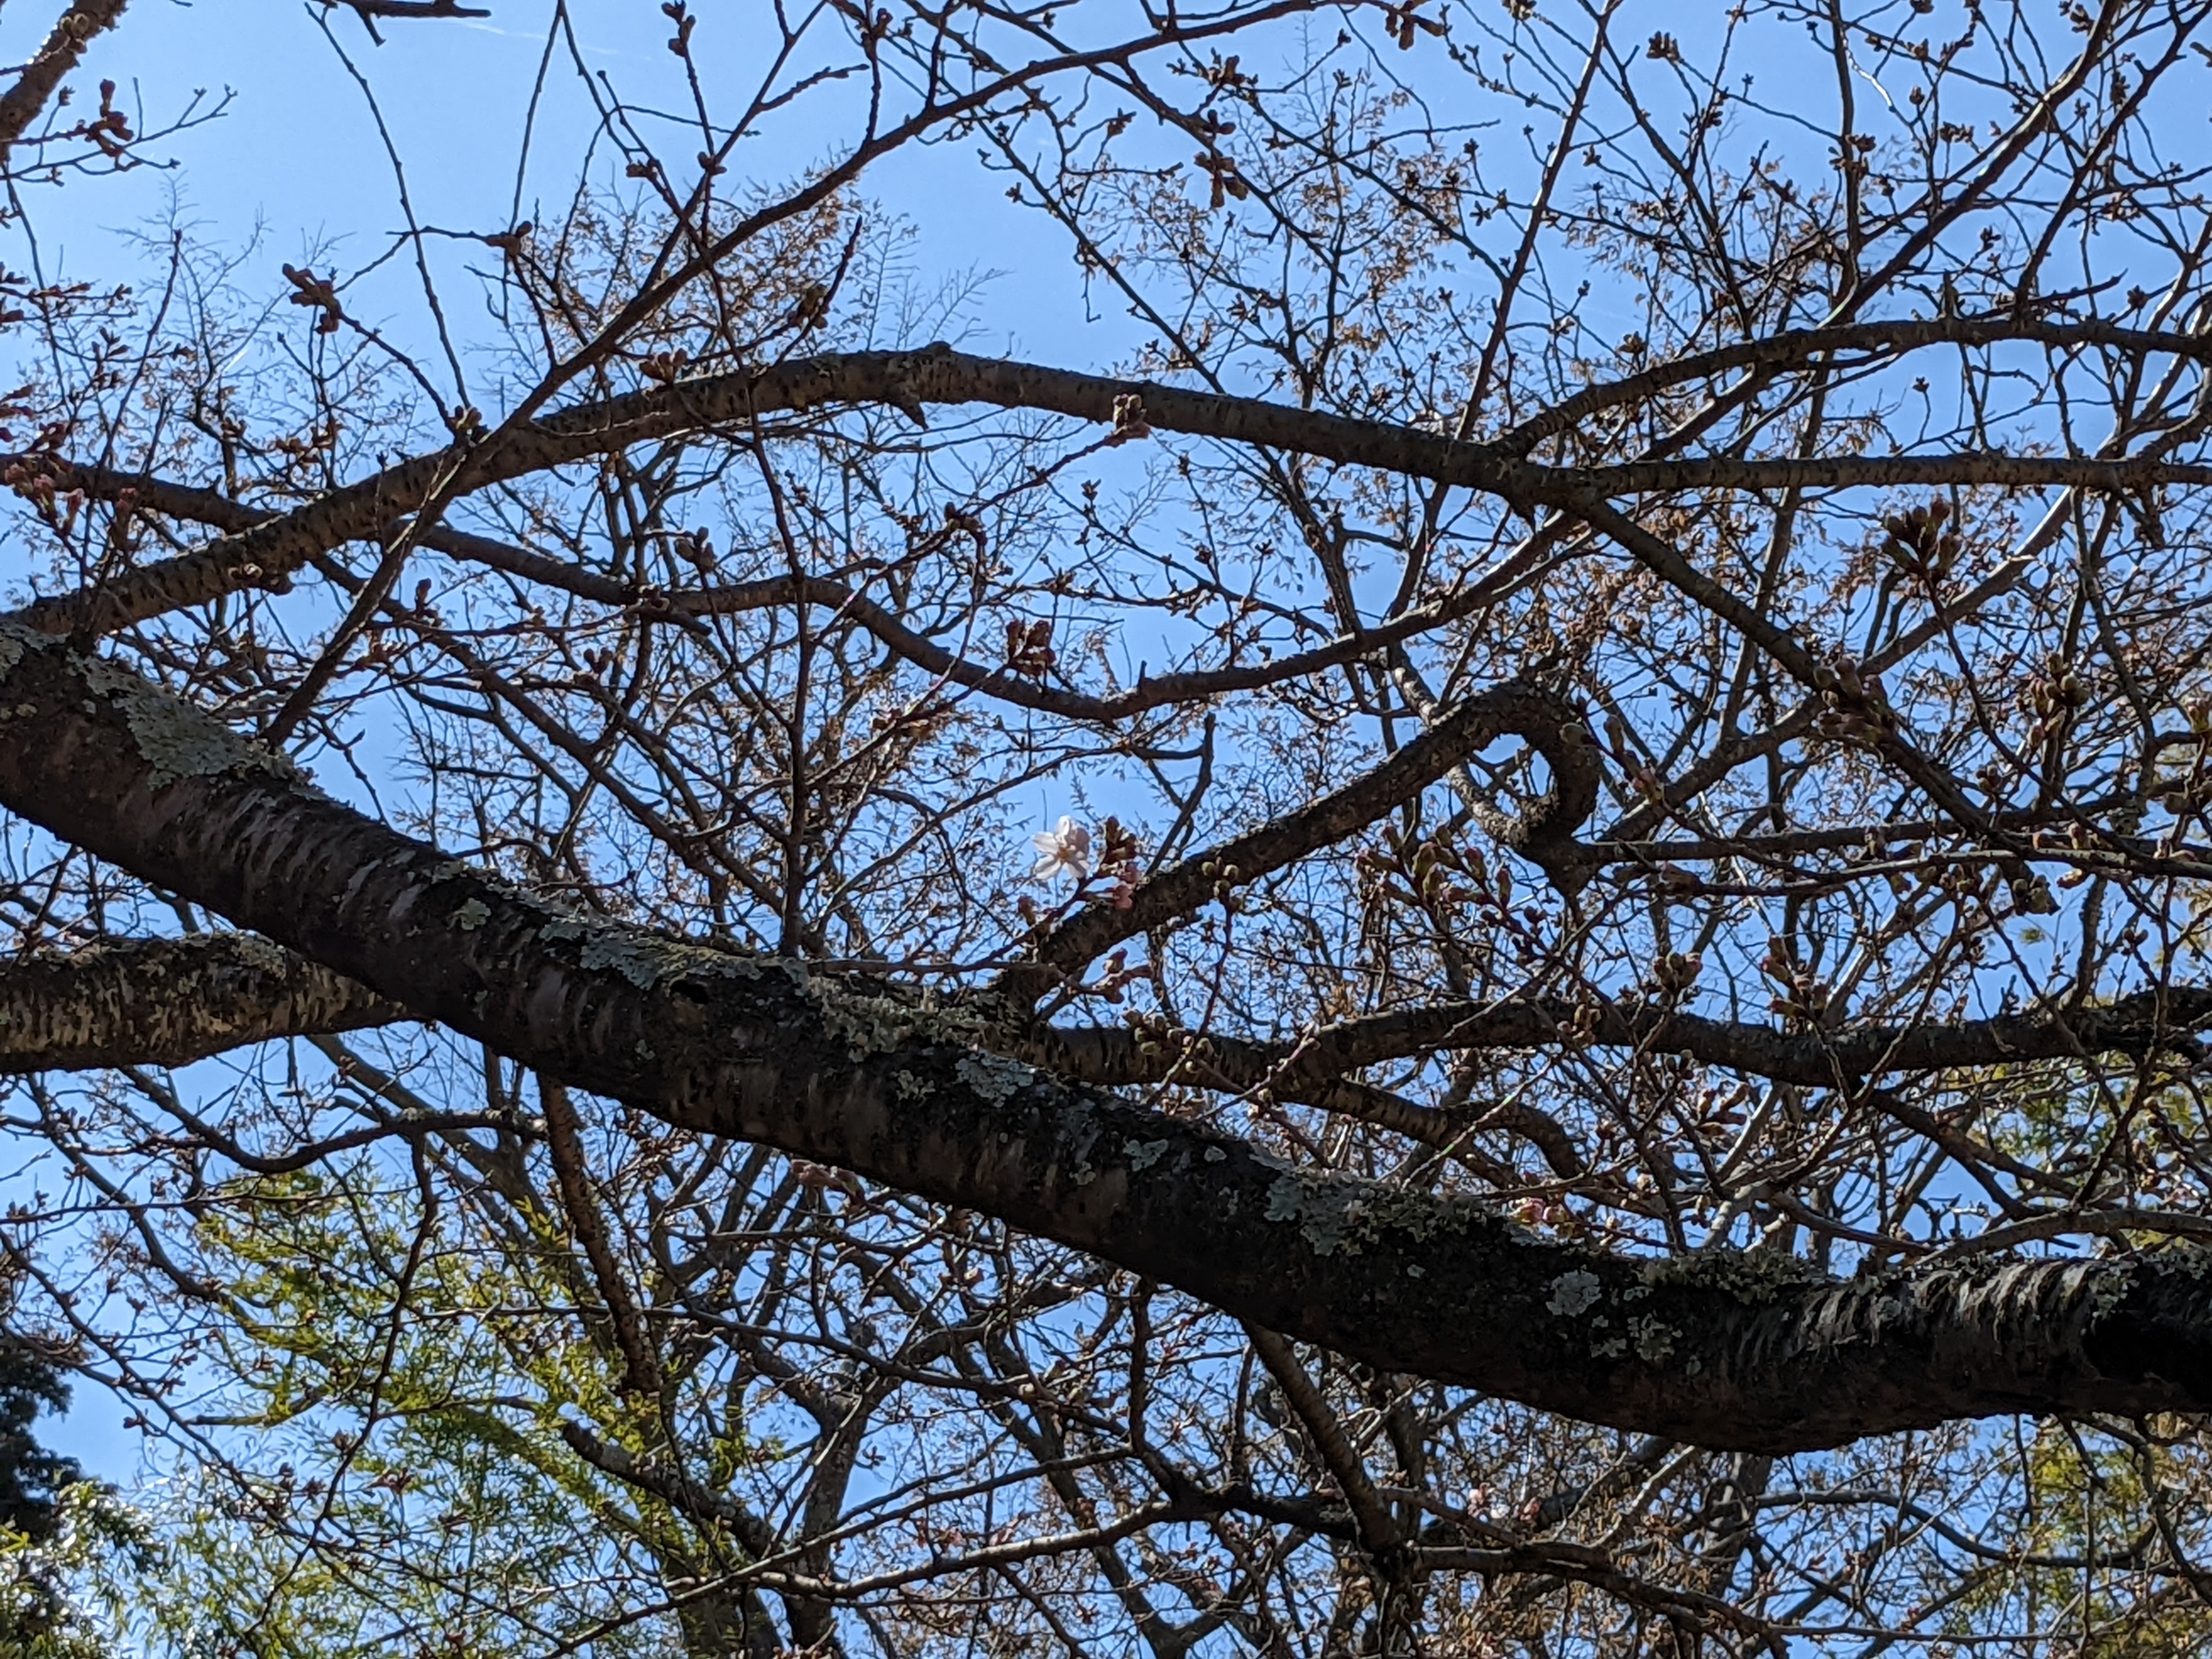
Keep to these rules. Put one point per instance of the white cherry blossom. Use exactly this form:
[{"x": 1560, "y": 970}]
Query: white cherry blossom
[{"x": 1066, "y": 848}]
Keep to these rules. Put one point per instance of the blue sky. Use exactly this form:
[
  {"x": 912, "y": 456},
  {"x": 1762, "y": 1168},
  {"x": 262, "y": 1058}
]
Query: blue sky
[{"x": 296, "y": 163}]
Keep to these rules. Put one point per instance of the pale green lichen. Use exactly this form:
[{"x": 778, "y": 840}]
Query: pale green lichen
[
  {"x": 911, "y": 1087},
  {"x": 864, "y": 1024},
  {"x": 473, "y": 915},
  {"x": 1573, "y": 1293},
  {"x": 2110, "y": 1288},
  {"x": 1654, "y": 1342},
  {"x": 642, "y": 958},
  {"x": 1752, "y": 1277},
  {"x": 1216, "y": 1155},
  {"x": 1343, "y": 1213},
  {"x": 176, "y": 739},
  {"x": 2190, "y": 1261},
  {"x": 873, "y": 1024},
  {"x": 1143, "y": 1154},
  {"x": 994, "y": 1077},
  {"x": 264, "y": 954}
]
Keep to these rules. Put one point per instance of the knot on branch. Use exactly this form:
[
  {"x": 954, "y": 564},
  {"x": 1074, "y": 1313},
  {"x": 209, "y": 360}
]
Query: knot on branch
[{"x": 1544, "y": 833}]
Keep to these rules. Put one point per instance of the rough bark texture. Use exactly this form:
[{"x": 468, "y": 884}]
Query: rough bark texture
[
  {"x": 1727, "y": 1350},
  {"x": 36, "y": 81},
  {"x": 169, "y": 1002}
]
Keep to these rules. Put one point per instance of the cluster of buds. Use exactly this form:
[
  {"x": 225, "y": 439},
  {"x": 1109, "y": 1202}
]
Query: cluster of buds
[
  {"x": 1641, "y": 776},
  {"x": 1803, "y": 1001},
  {"x": 1399, "y": 23},
  {"x": 1128, "y": 424},
  {"x": 874, "y": 28},
  {"x": 597, "y": 664},
  {"x": 1029, "y": 649},
  {"x": 696, "y": 547},
  {"x": 1918, "y": 543},
  {"x": 309, "y": 289},
  {"x": 2054, "y": 691},
  {"x": 822, "y": 1177},
  {"x": 1156, "y": 1035},
  {"x": 2013, "y": 891},
  {"x": 322, "y": 438},
  {"x": 57, "y": 508},
  {"x": 1580, "y": 1028},
  {"x": 110, "y": 130},
  {"x": 811, "y": 309},
  {"x": 1533, "y": 1212},
  {"x": 1224, "y": 75},
  {"x": 2183, "y": 796},
  {"x": 1858, "y": 708},
  {"x": 1118, "y": 975},
  {"x": 680, "y": 15},
  {"x": 1963, "y": 882},
  {"x": 1226, "y": 878},
  {"x": 2070, "y": 836},
  {"x": 959, "y": 521},
  {"x": 664, "y": 368},
  {"x": 1226, "y": 181},
  {"x": 1422, "y": 871},
  {"x": 1117, "y": 860},
  {"x": 1674, "y": 974}
]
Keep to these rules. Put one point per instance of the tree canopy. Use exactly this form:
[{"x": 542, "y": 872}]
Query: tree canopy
[{"x": 1311, "y": 828}]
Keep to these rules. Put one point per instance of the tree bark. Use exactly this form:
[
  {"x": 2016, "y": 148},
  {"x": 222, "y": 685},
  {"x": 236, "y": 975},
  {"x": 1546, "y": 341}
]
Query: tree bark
[
  {"x": 1737, "y": 1351},
  {"x": 169, "y": 1002}
]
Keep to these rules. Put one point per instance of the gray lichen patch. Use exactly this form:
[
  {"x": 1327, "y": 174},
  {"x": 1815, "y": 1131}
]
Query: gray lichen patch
[
  {"x": 995, "y": 1078},
  {"x": 250, "y": 948},
  {"x": 642, "y": 958},
  {"x": 1573, "y": 1293},
  {"x": 1339, "y": 1212},
  {"x": 870, "y": 1022},
  {"x": 176, "y": 739},
  {"x": 1752, "y": 1277},
  {"x": 2110, "y": 1288},
  {"x": 473, "y": 915},
  {"x": 2190, "y": 1261},
  {"x": 1143, "y": 1154}
]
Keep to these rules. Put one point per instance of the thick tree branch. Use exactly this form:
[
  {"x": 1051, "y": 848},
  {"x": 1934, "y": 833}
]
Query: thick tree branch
[
  {"x": 149, "y": 494},
  {"x": 1801, "y": 347},
  {"x": 169, "y": 1002},
  {"x": 1718, "y": 1349},
  {"x": 2144, "y": 1023},
  {"x": 269, "y": 554}
]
